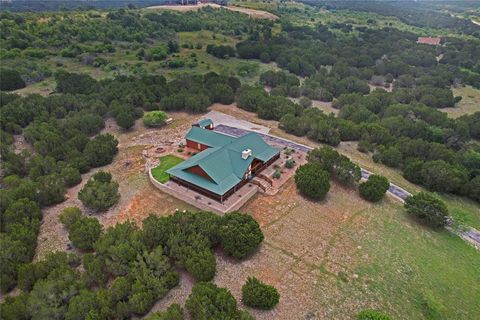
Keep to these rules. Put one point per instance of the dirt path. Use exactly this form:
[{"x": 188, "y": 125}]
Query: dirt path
[{"x": 258, "y": 14}]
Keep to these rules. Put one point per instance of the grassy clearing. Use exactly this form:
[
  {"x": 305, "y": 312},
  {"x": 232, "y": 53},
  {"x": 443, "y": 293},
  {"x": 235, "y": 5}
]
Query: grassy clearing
[
  {"x": 342, "y": 255},
  {"x": 469, "y": 104},
  {"x": 248, "y": 71},
  {"x": 416, "y": 270},
  {"x": 166, "y": 162},
  {"x": 43, "y": 88}
]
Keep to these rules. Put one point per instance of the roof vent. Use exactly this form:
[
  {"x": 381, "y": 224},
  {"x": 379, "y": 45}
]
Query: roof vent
[{"x": 246, "y": 153}]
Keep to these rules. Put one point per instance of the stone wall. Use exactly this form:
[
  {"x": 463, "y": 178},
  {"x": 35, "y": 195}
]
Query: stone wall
[{"x": 232, "y": 204}]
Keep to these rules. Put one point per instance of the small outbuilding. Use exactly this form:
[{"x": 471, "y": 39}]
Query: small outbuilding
[{"x": 204, "y": 124}]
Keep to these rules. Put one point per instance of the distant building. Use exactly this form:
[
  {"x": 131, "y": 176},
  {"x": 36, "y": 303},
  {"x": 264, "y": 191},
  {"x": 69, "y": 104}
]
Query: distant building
[
  {"x": 429, "y": 40},
  {"x": 223, "y": 163}
]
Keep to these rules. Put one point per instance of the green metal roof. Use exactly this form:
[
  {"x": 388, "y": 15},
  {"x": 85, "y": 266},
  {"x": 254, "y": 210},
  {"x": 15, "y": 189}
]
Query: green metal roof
[
  {"x": 208, "y": 137},
  {"x": 205, "y": 122},
  {"x": 222, "y": 162}
]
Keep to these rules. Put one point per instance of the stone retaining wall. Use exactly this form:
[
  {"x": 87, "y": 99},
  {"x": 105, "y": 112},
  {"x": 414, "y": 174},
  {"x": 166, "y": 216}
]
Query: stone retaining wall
[{"x": 229, "y": 205}]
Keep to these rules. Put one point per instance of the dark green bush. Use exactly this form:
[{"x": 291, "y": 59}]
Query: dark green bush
[
  {"x": 312, "y": 181},
  {"x": 84, "y": 233},
  {"x": 374, "y": 188},
  {"x": 207, "y": 301},
  {"x": 240, "y": 234},
  {"x": 428, "y": 208},
  {"x": 259, "y": 295},
  {"x": 10, "y": 80},
  {"x": 69, "y": 216},
  {"x": 99, "y": 193}
]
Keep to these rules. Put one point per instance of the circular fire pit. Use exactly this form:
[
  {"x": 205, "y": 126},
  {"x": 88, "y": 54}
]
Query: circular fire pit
[{"x": 160, "y": 150}]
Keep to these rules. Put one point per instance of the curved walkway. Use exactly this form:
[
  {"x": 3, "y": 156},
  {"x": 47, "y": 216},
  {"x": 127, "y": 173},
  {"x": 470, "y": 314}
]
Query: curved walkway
[{"x": 470, "y": 235}]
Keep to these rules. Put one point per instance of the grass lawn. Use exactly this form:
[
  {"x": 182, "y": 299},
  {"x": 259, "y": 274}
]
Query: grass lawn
[
  {"x": 417, "y": 271},
  {"x": 166, "y": 162},
  {"x": 336, "y": 257},
  {"x": 469, "y": 104}
]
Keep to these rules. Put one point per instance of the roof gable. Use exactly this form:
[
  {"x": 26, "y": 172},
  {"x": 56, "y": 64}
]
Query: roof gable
[{"x": 208, "y": 137}]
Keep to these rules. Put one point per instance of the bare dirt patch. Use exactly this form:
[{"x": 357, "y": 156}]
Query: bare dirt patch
[{"x": 259, "y": 14}]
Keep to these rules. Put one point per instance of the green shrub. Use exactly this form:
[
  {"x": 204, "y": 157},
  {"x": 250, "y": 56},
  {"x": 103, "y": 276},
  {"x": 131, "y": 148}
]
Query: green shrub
[
  {"x": 69, "y": 216},
  {"x": 277, "y": 174},
  {"x": 312, "y": 181},
  {"x": 289, "y": 164},
  {"x": 154, "y": 118},
  {"x": 84, "y": 233},
  {"x": 71, "y": 176},
  {"x": 10, "y": 80},
  {"x": 100, "y": 192},
  {"x": 239, "y": 234},
  {"x": 207, "y": 301},
  {"x": 125, "y": 120},
  {"x": 305, "y": 102},
  {"x": 372, "y": 315},
  {"x": 259, "y": 295},
  {"x": 173, "y": 312},
  {"x": 428, "y": 208},
  {"x": 201, "y": 265},
  {"x": 374, "y": 188}
]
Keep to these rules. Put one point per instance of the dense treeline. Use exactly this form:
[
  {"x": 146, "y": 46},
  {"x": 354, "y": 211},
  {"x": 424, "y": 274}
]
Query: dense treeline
[
  {"x": 430, "y": 148},
  {"x": 129, "y": 269},
  {"x": 399, "y": 128},
  {"x": 221, "y": 51},
  {"x": 34, "y": 5},
  {"x": 64, "y": 133}
]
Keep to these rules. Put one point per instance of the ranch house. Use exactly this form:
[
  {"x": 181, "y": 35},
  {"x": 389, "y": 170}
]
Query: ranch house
[{"x": 223, "y": 163}]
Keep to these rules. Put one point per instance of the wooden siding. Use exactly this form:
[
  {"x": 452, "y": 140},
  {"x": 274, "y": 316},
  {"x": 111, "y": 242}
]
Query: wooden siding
[
  {"x": 199, "y": 171},
  {"x": 196, "y": 145}
]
